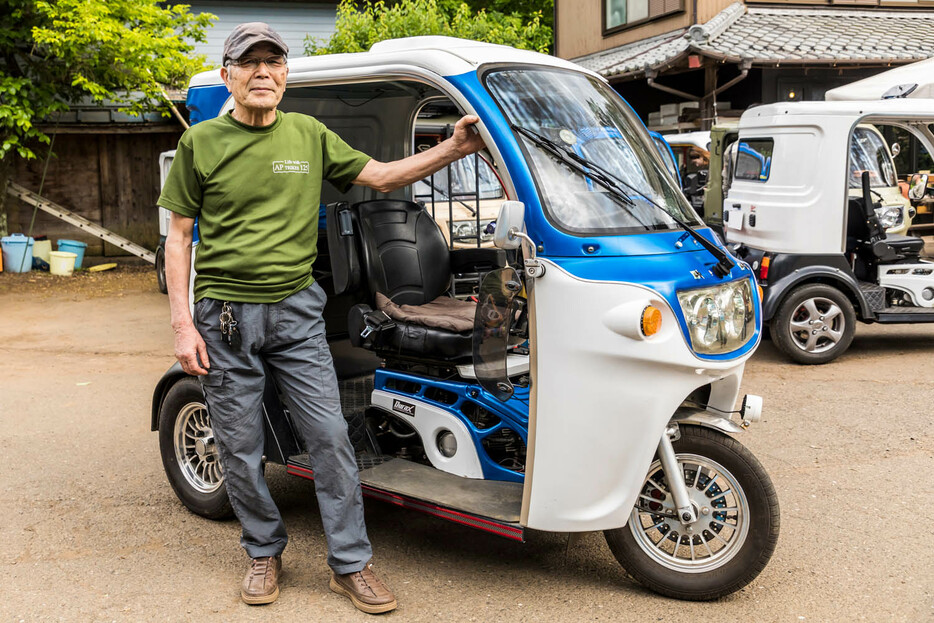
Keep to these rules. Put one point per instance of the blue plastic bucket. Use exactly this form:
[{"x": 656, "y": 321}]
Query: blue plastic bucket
[
  {"x": 73, "y": 246},
  {"x": 17, "y": 253}
]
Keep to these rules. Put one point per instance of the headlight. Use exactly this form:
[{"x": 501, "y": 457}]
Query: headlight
[
  {"x": 467, "y": 230},
  {"x": 720, "y": 318},
  {"x": 890, "y": 216}
]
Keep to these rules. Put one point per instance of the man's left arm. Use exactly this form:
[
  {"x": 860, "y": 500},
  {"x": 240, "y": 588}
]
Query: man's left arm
[{"x": 385, "y": 177}]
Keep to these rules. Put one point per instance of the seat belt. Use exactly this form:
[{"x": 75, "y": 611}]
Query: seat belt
[{"x": 376, "y": 321}]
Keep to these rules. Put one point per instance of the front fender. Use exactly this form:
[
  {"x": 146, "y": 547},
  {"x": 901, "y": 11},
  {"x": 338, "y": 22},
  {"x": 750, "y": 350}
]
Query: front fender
[
  {"x": 776, "y": 292},
  {"x": 162, "y": 388},
  {"x": 707, "y": 420}
]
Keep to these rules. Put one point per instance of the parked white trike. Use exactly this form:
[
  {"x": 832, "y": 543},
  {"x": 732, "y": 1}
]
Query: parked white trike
[{"x": 822, "y": 256}]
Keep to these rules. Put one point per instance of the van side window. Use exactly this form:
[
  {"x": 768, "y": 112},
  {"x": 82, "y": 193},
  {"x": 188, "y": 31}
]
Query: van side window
[{"x": 754, "y": 159}]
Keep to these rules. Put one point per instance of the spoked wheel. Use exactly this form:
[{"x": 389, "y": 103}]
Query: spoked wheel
[
  {"x": 735, "y": 532},
  {"x": 814, "y": 324},
  {"x": 189, "y": 453}
]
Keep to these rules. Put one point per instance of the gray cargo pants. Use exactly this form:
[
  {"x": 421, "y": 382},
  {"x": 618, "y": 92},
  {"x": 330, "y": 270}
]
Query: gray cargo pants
[{"x": 289, "y": 338}]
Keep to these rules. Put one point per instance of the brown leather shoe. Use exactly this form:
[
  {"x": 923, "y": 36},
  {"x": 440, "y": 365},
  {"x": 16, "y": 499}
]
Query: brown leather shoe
[
  {"x": 261, "y": 584},
  {"x": 366, "y": 591}
]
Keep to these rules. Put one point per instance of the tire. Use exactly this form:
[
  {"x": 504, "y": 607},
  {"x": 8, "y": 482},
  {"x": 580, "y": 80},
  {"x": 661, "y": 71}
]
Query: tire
[
  {"x": 189, "y": 455},
  {"x": 739, "y": 543},
  {"x": 814, "y": 324},
  {"x": 160, "y": 270}
]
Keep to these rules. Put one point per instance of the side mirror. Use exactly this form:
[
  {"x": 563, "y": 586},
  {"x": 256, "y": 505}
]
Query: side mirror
[
  {"x": 896, "y": 149},
  {"x": 919, "y": 186},
  {"x": 509, "y": 222}
]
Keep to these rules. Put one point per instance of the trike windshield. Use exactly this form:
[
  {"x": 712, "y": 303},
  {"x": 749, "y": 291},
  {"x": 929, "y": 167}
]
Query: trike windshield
[
  {"x": 586, "y": 116},
  {"x": 869, "y": 153}
]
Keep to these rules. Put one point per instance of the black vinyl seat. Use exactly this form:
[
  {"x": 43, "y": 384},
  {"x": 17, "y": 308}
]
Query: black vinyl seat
[
  {"x": 857, "y": 233},
  {"x": 394, "y": 248},
  {"x": 909, "y": 246}
]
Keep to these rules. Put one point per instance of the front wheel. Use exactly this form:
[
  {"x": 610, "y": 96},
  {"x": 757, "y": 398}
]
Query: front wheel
[
  {"x": 733, "y": 537},
  {"x": 814, "y": 324},
  {"x": 189, "y": 454}
]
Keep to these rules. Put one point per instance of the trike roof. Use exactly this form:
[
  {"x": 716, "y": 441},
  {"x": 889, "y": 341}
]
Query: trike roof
[
  {"x": 920, "y": 75},
  {"x": 443, "y": 56},
  {"x": 797, "y": 113}
]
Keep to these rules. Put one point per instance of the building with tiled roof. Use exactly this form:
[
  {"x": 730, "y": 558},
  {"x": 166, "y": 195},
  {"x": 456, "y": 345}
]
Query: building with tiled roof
[{"x": 687, "y": 63}]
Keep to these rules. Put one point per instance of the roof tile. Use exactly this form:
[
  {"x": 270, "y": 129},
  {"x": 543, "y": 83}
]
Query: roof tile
[{"x": 766, "y": 35}]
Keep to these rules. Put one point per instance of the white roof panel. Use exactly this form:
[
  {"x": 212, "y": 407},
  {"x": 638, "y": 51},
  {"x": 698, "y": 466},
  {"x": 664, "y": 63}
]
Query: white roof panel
[{"x": 444, "y": 56}]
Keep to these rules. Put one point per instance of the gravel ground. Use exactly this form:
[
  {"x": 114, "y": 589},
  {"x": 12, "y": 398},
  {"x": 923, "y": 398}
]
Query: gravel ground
[{"x": 93, "y": 531}]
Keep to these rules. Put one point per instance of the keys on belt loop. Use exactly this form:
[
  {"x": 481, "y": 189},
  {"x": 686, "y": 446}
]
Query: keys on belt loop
[{"x": 229, "y": 330}]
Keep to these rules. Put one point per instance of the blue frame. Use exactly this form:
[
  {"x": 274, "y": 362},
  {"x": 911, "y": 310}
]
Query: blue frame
[
  {"x": 668, "y": 155},
  {"x": 205, "y": 102},
  {"x": 653, "y": 260},
  {"x": 513, "y": 414}
]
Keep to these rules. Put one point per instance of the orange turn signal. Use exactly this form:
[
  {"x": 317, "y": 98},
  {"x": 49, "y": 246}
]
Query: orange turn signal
[{"x": 651, "y": 320}]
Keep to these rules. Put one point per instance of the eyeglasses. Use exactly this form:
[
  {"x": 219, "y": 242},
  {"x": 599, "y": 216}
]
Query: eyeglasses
[{"x": 251, "y": 63}]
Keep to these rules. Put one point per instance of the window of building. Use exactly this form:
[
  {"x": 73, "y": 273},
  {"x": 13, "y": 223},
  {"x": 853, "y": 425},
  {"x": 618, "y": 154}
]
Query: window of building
[{"x": 619, "y": 14}]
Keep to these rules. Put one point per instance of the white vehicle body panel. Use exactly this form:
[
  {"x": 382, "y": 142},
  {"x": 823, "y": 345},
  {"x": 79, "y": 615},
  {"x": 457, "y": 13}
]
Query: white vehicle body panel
[
  {"x": 431, "y": 421},
  {"x": 165, "y": 163},
  {"x": 811, "y": 146},
  {"x": 442, "y": 56},
  {"x": 697, "y": 139},
  {"x": 610, "y": 420},
  {"x": 874, "y": 87},
  {"x": 916, "y": 280}
]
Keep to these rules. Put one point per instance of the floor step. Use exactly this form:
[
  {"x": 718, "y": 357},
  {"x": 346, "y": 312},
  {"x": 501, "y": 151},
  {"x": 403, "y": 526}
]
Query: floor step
[
  {"x": 490, "y": 505},
  {"x": 896, "y": 315},
  {"x": 874, "y": 295},
  {"x": 487, "y": 498}
]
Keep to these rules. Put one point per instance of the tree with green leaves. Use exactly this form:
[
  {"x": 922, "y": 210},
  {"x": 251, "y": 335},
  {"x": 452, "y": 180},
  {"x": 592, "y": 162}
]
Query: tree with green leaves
[
  {"x": 359, "y": 28},
  {"x": 58, "y": 52}
]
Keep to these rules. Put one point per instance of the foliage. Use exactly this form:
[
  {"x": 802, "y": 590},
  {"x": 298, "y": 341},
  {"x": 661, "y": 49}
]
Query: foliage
[
  {"x": 57, "y": 52},
  {"x": 511, "y": 7},
  {"x": 359, "y": 28}
]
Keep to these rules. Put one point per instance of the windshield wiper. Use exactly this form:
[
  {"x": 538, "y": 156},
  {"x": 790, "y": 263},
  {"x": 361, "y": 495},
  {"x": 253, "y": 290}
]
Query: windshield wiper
[
  {"x": 612, "y": 183},
  {"x": 576, "y": 163}
]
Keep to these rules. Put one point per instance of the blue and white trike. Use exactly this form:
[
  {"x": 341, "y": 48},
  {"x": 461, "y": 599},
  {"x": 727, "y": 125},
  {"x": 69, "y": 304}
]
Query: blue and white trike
[{"x": 589, "y": 383}]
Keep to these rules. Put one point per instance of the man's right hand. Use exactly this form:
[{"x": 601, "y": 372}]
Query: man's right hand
[{"x": 191, "y": 351}]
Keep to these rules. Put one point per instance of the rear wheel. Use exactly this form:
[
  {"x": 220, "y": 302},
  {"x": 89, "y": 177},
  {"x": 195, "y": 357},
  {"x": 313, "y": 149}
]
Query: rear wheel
[
  {"x": 733, "y": 537},
  {"x": 814, "y": 324},
  {"x": 160, "y": 270},
  {"x": 189, "y": 454}
]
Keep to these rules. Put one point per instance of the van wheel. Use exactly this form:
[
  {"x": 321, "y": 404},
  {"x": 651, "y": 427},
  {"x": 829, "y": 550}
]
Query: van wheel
[
  {"x": 189, "y": 454},
  {"x": 160, "y": 270},
  {"x": 814, "y": 324}
]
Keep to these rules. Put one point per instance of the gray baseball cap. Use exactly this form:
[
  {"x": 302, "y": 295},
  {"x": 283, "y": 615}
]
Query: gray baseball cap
[{"x": 245, "y": 36}]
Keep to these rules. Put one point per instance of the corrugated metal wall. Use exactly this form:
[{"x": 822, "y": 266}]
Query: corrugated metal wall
[{"x": 291, "y": 20}]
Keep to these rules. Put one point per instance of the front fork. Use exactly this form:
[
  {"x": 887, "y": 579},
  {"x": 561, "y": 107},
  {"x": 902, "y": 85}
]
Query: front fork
[{"x": 675, "y": 477}]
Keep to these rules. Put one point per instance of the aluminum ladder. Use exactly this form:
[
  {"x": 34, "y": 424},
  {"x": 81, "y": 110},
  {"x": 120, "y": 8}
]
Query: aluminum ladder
[{"x": 80, "y": 222}]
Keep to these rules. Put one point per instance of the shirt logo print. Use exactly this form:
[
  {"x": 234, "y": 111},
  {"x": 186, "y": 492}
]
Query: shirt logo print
[{"x": 290, "y": 166}]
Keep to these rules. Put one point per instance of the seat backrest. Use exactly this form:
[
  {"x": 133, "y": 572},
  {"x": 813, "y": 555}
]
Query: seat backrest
[
  {"x": 403, "y": 253},
  {"x": 341, "y": 247},
  {"x": 856, "y": 227}
]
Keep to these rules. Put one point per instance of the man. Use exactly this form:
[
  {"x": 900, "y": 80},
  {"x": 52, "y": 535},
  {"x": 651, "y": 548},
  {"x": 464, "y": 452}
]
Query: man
[
  {"x": 256, "y": 302},
  {"x": 700, "y": 158}
]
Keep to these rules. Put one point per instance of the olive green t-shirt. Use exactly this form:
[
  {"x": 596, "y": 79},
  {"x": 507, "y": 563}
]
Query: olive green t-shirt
[{"x": 256, "y": 192}]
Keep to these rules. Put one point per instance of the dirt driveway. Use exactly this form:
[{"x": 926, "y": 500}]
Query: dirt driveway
[{"x": 92, "y": 531}]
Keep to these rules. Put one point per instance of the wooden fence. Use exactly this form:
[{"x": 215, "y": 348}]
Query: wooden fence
[{"x": 109, "y": 175}]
